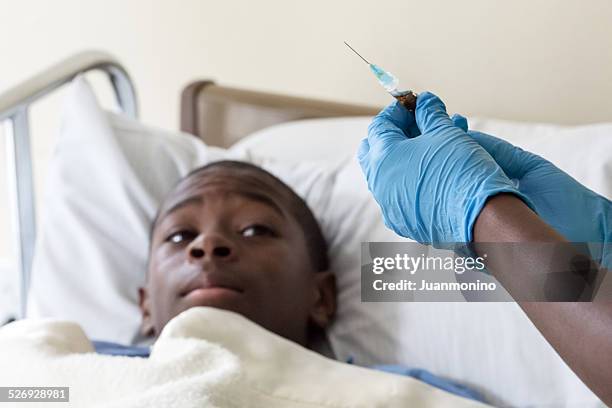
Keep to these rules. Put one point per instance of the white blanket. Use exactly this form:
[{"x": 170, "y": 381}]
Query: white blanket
[{"x": 204, "y": 358}]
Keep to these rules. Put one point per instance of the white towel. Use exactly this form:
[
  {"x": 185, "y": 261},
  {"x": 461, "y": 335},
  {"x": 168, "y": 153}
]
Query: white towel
[{"x": 203, "y": 358}]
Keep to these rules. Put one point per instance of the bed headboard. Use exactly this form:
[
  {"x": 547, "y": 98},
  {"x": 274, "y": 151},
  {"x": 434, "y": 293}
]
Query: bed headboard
[{"x": 222, "y": 115}]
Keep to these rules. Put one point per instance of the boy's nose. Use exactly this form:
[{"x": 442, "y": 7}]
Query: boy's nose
[{"x": 213, "y": 245}]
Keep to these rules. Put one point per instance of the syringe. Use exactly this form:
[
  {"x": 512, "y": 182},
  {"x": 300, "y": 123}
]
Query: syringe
[{"x": 391, "y": 83}]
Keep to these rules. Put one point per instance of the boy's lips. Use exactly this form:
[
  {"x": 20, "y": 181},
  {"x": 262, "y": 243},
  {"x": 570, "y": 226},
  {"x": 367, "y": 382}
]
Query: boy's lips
[
  {"x": 212, "y": 292},
  {"x": 210, "y": 284},
  {"x": 216, "y": 296}
]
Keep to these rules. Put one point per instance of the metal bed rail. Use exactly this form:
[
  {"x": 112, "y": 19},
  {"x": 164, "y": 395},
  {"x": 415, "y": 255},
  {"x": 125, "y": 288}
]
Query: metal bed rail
[{"x": 14, "y": 106}]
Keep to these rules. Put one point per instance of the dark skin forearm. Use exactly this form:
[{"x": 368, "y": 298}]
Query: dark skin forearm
[{"x": 581, "y": 332}]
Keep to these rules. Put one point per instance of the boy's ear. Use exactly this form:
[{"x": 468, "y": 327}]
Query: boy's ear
[
  {"x": 324, "y": 306},
  {"x": 146, "y": 327}
]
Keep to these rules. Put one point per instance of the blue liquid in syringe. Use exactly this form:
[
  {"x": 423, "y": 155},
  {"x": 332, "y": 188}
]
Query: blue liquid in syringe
[{"x": 386, "y": 79}]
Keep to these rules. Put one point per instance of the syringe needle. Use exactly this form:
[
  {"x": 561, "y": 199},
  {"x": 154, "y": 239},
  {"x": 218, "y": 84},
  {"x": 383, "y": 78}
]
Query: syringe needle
[
  {"x": 366, "y": 61},
  {"x": 390, "y": 83}
]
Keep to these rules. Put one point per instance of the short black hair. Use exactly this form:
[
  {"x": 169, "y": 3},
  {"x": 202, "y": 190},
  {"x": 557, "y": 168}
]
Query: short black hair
[{"x": 315, "y": 241}]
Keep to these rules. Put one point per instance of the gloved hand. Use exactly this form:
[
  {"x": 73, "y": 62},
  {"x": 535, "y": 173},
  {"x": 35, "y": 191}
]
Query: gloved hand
[
  {"x": 576, "y": 212},
  {"x": 429, "y": 177}
]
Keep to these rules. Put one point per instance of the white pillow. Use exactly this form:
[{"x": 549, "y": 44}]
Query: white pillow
[
  {"x": 321, "y": 140},
  {"x": 491, "y": 346}
]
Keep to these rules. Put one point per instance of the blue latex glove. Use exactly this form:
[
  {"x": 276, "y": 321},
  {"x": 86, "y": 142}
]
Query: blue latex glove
[
  {"x": 429, "y": 177},
  {"x": 576, "y": 212}
]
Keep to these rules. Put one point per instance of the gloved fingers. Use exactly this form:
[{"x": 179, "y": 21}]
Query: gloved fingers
[
  {"x": 401, "y": 117},
  {"x": 385, "y": 129},
  {"x": 405, "y": 120},
  {"x": 514, "y": 161},
  {"x": 431, "y": 113},
  {"x": 362, "y": 151},
  {"x": 460, "y": 122}
]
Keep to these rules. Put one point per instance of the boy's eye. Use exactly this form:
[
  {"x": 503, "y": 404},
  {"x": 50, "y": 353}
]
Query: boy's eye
[
  {"x": 257, "y": 230},
  {"x": 180, "y": 237}
]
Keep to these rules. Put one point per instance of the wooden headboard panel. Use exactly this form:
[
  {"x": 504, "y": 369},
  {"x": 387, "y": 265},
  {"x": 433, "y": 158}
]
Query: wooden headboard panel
[{"x": 222, "y": 115}]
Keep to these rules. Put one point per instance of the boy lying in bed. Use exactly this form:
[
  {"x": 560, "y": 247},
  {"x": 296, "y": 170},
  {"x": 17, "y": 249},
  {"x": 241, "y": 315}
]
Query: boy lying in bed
[{"x": 232, "y": 236}]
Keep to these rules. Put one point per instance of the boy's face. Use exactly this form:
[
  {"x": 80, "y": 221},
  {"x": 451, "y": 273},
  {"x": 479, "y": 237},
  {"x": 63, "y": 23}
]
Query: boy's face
[{"x": 231, "y": 242}]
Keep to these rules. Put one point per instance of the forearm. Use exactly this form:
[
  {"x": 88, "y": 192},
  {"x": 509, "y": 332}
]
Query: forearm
[{"x": 581, "y": 332}]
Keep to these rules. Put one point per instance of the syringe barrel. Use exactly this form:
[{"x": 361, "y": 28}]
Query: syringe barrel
[{"x": 407, "y": 99}]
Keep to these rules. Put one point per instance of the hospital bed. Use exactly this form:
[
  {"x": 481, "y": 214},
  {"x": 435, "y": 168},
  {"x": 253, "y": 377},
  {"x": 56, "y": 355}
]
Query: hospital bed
[{"x": 317, "y": 140}]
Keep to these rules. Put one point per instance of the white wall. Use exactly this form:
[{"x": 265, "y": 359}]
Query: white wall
[{"x": 545, "y": 60}]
